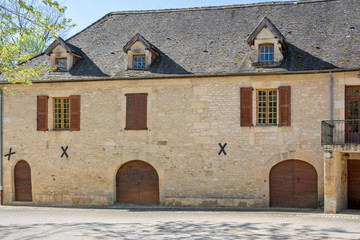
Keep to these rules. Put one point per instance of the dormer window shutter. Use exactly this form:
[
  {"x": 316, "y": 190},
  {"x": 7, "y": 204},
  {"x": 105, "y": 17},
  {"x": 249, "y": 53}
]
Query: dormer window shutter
[
  {"x": 285, "y": 106},
  {"x": 246, "y": 106},
  {"x": 42, "y": 113}
]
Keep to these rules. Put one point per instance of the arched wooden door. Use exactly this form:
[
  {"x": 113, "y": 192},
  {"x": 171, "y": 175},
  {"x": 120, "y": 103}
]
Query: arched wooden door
[
  {"x": 293, "y": 183},
  {"x": 22, "y": 175},
  {"x": 354, "y": 184},
  {"x": 137, "y": 182}
]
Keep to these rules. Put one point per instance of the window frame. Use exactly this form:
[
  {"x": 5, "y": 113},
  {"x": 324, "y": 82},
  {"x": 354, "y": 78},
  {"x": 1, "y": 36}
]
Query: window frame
[
  {"x": 267, "y": 90},
  {"x": 139, "y": 56},
  {"x": 260, "y": 54},
  {"x": 62, "y": 114},
  {"x": 57, "y": 65}
]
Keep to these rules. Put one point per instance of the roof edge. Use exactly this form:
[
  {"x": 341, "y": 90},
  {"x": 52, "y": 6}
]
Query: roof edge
[{"x": 193, "y": 76}]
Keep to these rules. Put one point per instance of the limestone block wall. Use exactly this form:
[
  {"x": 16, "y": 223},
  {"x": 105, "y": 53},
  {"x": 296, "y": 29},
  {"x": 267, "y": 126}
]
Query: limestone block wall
[{"x": 187, "y": 119}]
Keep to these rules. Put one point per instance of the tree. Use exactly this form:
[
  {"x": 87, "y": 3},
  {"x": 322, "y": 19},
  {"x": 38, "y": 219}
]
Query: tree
[{"x": 26, "y": 27}]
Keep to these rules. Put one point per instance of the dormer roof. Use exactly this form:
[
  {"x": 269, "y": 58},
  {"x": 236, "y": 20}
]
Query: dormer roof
[
  {"x": 141, "y": 39},
  {"x": 267, "y": 23},
  {"x": 68, "y": 47}
]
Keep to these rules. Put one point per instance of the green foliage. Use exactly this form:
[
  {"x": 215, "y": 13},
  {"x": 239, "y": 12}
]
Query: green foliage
[{"x": 27, "y": 27}]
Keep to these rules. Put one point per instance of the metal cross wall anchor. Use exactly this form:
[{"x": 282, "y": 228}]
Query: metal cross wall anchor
[
  {"x": 64, "y": 151},
  {"x": 222, "y": 149},
  {"x": 9, "y": 154}
]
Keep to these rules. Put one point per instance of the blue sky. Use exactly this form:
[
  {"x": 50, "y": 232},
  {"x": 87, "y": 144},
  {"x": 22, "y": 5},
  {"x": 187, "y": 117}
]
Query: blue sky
[{"x": 85, "y": 12}]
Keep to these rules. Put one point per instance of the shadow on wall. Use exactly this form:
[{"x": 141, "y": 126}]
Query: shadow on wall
[
  {"x": 296, "y": 59},
  {"x": 172, "y": 230}
]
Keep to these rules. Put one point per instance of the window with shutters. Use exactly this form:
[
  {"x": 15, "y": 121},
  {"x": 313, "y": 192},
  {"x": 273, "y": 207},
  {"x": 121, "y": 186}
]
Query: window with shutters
[
  {"x": 136, "y": 111},
  {"x": 66, "y": 113},
  {"x": 273, "y": 106},
  {"x": 61, "y": 113},
  {"x": 267, "y": 107}
]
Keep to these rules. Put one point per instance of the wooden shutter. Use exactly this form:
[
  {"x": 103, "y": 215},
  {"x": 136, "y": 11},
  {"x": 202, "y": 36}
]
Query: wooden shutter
[
  {"x": 42, "y": 113},
  {"x": 246, "y": 106},
  {"x": 75, "y": 113},
  {"x": 142, "y": 111},
  {"x": 285, "y": 106},
  {"x": 130, "y": 111}
]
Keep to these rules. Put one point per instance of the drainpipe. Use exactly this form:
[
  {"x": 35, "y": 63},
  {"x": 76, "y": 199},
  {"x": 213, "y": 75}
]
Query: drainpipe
[
  {"x": 1, "y": 153},
  {"x": 331, "y": 97}
]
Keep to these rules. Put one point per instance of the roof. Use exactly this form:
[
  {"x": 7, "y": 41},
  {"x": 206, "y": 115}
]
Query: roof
[
  {"x": 267, "y": 23},
  {"x": 68, "y": 47},
  {"x": 141, "y": 39},
  {"x": 320, "y": 34}
]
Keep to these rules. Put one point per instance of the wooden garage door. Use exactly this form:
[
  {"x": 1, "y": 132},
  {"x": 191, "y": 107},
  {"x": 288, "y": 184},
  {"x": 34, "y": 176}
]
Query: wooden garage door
[
  {"x": 22, "y": 175},
  {"x": 293, "y": 183},
  {"x": 137, "y": 182},
  {"x": 354, "y": 184}
]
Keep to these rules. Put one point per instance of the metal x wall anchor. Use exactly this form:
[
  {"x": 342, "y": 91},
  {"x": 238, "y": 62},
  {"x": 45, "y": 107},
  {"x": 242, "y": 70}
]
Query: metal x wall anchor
[
  {"x": 64, "y": 151},
  {"x": 222, "y": 149},
  {"x": 9, "y": 154}
]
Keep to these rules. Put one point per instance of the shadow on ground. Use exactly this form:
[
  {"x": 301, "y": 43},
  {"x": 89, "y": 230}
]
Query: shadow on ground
[{"x": 172, "y": 230}]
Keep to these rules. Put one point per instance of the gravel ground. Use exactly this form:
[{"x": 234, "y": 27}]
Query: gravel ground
[{"x": 139, "y": 223}]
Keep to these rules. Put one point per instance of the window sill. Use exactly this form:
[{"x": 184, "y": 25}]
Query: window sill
[
  {"x": 266, "y": 125},
  {"x": 266, "y": 64},
  {"x": 137, "y": 69},
  {"x": 136, "y": 129}
]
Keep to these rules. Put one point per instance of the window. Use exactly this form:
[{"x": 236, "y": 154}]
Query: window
[
  {"x": 66, "y": 114},
  {"x": 139, "y": 62},
  {"x": 266, "y": 53},
  {"x": 136, "y": 111},
  {"x": 273, "y": 106},
  {"x": 61, "y": 113},
  {"x": 267, "y": 106},
  {"x": 61, "y": 64}
]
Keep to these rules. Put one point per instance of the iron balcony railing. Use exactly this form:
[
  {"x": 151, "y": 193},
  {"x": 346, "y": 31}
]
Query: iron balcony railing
[{"x": 337, "y": 132}]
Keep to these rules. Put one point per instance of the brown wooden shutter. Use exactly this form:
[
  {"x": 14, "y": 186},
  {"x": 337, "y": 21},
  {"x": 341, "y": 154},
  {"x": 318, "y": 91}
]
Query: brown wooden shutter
[
  {"x": 42, "y": 113},
  {"x": 142, "y": 111},
  {"x": 285, "y": 106},
  {"x": 131, "y": 111},
  {"x": 75, "y": 113},
  {"x": 246, "y": 106}
]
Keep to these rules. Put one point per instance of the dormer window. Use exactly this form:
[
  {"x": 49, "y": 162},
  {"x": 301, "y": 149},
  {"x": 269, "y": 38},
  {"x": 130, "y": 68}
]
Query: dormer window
[
  {"x": 139, "y": 62},
  {"x": 141, "y": 53},
  {"x": 268, "y": 45},
  {"x": 63, "y": 55},
  {"x": 61, "y": 64},
  {"x": 266, "y": 53}
]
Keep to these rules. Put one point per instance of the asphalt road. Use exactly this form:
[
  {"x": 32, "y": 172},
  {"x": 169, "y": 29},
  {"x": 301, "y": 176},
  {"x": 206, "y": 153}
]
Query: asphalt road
[{"x": 74, "y": 223}]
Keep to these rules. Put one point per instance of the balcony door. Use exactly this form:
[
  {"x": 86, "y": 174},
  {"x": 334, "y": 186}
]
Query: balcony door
[{"x": 352, "y": 114}]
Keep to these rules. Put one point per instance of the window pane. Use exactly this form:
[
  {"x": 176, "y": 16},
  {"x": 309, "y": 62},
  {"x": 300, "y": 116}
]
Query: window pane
[{"x": 139, "y": 62}]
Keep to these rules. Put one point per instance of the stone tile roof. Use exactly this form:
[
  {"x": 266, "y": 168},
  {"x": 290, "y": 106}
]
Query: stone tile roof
[{"x": 320, "y": 34}]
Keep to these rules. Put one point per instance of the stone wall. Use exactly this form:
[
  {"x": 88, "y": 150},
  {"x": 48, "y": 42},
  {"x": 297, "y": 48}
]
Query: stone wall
[
  {"x": 336, "y": 156},
  {"x": 187, "y": 119}
]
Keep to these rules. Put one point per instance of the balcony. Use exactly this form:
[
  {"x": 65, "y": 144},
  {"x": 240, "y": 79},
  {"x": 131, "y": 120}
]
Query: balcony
[{"x": 342, "y": 133}]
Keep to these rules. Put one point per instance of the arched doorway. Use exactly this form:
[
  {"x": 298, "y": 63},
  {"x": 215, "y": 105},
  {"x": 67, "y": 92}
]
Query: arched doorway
[
  {"x": 293, "y": 183},
  {"x": 22, "y": 176},
  {"x": 137, "y": 182}
]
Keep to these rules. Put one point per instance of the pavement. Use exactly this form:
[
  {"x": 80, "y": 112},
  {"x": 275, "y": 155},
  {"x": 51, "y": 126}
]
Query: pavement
[{"x": 157, "y": 222}]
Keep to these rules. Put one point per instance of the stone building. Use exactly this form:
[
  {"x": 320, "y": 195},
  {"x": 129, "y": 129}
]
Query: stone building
[{"x": 213, "y": 106}]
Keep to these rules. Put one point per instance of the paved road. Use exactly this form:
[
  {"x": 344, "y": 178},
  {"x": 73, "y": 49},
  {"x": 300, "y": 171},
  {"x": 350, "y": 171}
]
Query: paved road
[{"x": 73, "y": 223}]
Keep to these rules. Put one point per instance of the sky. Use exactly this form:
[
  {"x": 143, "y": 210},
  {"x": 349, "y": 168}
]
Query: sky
[{"x": 85, "y": 12}]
